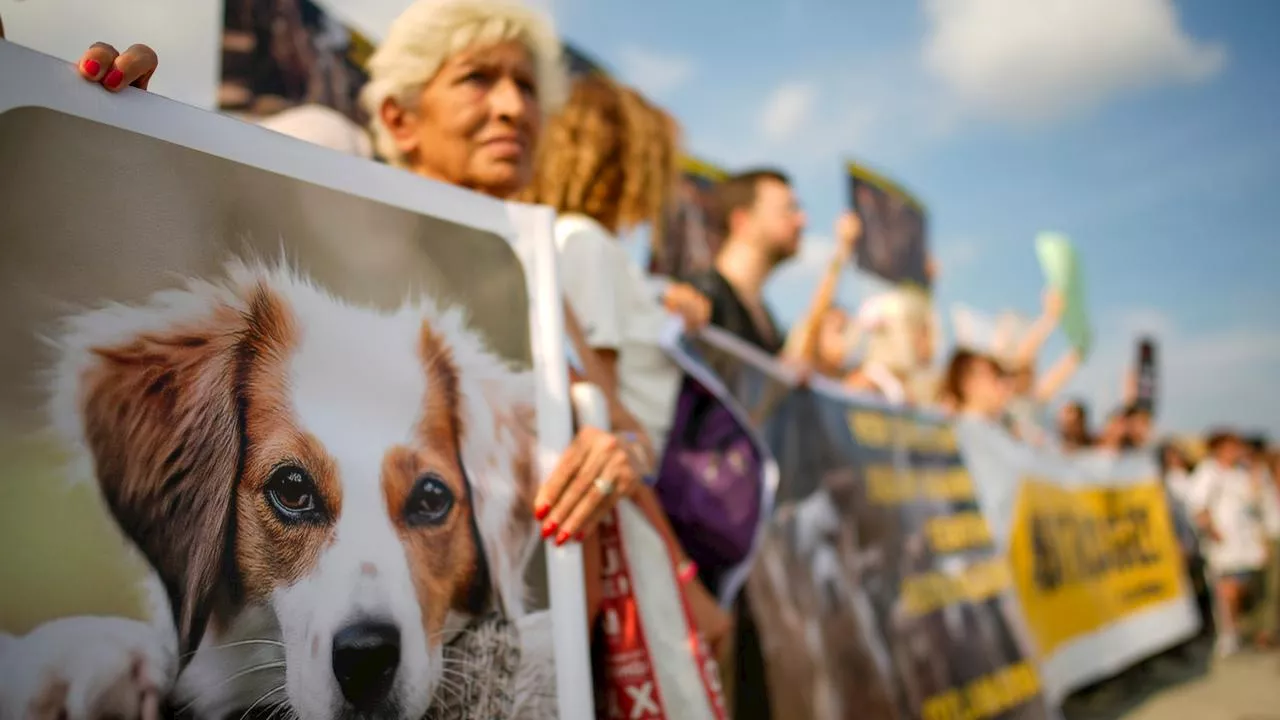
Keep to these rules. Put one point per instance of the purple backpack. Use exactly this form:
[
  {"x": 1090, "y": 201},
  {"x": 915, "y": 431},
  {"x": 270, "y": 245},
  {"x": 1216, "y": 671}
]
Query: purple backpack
[{"x": 711, "y": 482}]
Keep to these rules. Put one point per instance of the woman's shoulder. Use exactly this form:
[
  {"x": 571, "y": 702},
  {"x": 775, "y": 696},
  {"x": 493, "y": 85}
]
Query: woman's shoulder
[{"x": 583, "y": 230}]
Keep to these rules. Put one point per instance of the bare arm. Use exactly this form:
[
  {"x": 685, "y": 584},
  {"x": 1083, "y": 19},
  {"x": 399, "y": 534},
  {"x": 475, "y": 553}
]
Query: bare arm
[
  {"x": 802, "y": 342},
  {"x": 1057, "y": 377},
  {"x": 1029, "y": 347}
]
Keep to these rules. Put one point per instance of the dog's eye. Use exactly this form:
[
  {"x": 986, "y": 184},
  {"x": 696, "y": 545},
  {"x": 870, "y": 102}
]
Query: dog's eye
[
  {"x": 429, "y": 503},
  {"x": 292, "y": 494}
]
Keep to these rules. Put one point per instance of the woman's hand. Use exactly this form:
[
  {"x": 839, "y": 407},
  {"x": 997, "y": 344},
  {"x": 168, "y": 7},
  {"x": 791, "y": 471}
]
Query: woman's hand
[
  {"x": 848, "y": 230},
  {"x": 688, "y": 303},
  {"x": 114, "y": 70},
  {"x": 594, "y": 473},
  {"x": 712, "y": 620}
]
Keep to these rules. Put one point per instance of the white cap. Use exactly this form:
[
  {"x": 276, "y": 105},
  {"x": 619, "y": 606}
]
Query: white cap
[{"x": 322, "y": 126}]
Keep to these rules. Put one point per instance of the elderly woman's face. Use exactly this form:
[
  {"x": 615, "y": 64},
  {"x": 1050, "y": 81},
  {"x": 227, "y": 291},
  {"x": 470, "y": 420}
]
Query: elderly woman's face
[{"x": 476, "y": 122}]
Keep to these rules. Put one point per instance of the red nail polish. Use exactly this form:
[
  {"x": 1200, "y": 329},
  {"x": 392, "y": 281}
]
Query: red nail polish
[
  {"x": 541, "y": 511},
  {"x": 580, "y": 536},
  {"x": 548, "y": 530},
  {"x": 561, "y": 538},
  {"x": 113, "y": 78},
  {"x": 92, "y": 67}
]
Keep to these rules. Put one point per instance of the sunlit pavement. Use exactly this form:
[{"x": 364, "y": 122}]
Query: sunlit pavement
[
  {"x": 1194, "y": 685},
  {"x": 1241, "y": 687}
]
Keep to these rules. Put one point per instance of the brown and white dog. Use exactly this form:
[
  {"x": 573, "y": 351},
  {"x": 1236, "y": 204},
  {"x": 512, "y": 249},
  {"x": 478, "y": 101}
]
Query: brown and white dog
[{"x": 327, "y": 494}]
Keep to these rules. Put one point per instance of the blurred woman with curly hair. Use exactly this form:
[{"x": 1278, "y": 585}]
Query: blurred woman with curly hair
[{"x": 608, "y": 164}]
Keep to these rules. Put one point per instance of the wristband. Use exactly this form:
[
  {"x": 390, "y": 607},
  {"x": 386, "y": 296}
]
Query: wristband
[{"x": 686, "y": 571}]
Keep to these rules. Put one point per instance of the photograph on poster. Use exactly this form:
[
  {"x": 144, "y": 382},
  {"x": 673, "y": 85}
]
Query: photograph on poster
[{"x": 239, "y": 406}]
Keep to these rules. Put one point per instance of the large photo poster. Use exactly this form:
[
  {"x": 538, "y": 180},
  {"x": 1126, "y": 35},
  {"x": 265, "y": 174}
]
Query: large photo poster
[
  {"x": 261, "y": 428},
  {"x": 894, "y": 243}
]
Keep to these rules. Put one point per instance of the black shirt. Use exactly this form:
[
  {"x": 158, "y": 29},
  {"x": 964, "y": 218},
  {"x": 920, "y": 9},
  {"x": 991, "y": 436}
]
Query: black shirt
[{"x": 730, "y": 313}]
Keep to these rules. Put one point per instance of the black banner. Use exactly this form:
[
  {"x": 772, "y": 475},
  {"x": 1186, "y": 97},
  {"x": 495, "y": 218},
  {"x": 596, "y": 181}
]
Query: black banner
[{"x": 877, "y": 591}]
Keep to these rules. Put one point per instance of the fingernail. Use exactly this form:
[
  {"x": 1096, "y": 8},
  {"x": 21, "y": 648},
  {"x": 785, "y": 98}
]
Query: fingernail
[
  {"x": 541, "y": 511},
  {"x": 92, "y": 68},
  {"x": 548, "y": 530},
  {"x": 113, "y": 78},
  {"x": 580, "y": 536},
  {"x": 561, "y": 538}
]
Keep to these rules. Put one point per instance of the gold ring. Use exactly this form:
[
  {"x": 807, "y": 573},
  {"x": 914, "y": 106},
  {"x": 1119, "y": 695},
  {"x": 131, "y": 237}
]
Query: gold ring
[{"x": 604, "y": 486}]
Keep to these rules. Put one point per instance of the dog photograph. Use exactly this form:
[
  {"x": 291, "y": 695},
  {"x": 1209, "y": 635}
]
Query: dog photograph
[{"x": 269, "y": 447}]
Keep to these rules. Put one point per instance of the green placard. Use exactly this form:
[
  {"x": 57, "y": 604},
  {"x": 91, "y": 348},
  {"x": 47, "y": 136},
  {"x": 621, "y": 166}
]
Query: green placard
[{"x": 1061, "y": 266}]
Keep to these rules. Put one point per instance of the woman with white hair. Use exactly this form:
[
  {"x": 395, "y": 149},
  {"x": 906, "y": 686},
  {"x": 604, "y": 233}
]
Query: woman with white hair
[{"x": 458, "y": 92}]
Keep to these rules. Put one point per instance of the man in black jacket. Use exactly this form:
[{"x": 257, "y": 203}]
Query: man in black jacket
[{"x": 757, "y": 214}]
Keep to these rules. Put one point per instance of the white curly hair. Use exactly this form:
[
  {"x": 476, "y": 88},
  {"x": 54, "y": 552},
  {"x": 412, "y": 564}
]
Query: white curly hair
[{"x": 429, "y": 32}]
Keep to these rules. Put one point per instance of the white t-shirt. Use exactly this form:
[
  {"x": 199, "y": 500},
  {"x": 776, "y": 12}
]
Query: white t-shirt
[
  {"x": 1234, "y": 505},
  {"x": 616, "y": 306}
]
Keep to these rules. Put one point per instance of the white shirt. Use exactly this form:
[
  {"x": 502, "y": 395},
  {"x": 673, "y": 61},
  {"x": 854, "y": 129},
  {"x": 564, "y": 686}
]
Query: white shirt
[
  {"x": 616, "y": 305},
  {"x": 1229, "y": 496}
]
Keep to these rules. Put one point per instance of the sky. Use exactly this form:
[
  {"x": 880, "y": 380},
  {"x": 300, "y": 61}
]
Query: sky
[{"x": 1148, "y": 131}]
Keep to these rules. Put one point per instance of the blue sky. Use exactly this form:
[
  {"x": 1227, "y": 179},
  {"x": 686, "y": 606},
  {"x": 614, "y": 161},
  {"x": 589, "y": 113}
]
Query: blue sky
[{"x": 1147, "y": 130}]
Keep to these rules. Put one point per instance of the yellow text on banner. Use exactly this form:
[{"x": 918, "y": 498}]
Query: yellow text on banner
[{"x": 1083, "y": 558}]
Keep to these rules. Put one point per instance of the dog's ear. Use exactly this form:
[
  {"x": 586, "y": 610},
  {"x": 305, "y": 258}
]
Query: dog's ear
[{"x": 153, "y": 390}]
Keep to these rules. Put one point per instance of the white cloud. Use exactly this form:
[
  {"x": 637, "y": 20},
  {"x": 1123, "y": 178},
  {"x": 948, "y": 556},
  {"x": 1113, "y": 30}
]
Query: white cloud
[
  {"x": 654, "y": 73},
  {"x": 1230, "y": 375},
  {"x": 1039, "y": 59},
  {"x": 787, "y": 110}
]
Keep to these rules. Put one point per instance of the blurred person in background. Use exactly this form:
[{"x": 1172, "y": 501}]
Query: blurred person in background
[
  {"x": 1033, "y": 392},
  {"x": 759, "y": 217},
  {"x": 1267, "y": 614},
  {"x": 825, "y": 335},
  {"x": 1073, "y": 426},
  {"x": 1228, "y": 512},
  {"x": 1114, "y": 435},
  {"x": 608, "y": 165},
  {"x": 1175, "y": 474},
  {"x": 899, "y": 329}
]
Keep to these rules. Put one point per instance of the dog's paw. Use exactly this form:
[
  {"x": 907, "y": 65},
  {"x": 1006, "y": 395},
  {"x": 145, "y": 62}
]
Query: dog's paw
[{"x": 86, "y": 668}]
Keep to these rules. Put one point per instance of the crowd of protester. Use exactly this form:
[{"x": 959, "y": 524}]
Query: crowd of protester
[{"x": 471, "y": 92}]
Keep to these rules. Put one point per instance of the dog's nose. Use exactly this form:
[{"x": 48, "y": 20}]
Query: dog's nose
[{"x": 365, "y": 658}]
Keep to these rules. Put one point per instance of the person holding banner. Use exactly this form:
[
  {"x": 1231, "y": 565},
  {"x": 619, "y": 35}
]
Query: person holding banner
[{"x": 609, "y": 157}]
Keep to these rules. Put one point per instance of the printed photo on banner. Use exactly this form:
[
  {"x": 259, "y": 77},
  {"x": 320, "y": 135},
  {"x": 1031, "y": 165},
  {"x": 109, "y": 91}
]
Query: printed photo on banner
[
  {"x": 243, "y": 402},
  {"x": 894, "y": 243},
  {"x": 279, "y": 54},
  {"x": 875, "y": 587}
]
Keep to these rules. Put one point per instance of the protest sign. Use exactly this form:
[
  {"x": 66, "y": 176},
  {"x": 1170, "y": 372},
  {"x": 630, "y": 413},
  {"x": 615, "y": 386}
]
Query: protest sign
[
  {"x": 689, "y": 242},
  {"x": 1061, "y": 266},
  {"x": 1093, "y": 553},
  {"x": 235, "y": 348},
  {"x": 876, "y": 589},
  {"x": 894, "y": 243},
  {"x": 278, "y": 54},
  {"x": 1147, "y": 375}
]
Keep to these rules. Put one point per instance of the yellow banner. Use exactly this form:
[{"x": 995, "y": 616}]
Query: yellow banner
[{"x": 1083, "y": 558}]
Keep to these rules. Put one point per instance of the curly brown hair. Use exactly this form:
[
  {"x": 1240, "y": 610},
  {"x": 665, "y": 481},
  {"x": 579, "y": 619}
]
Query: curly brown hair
[{"x": 608, "y": 154}]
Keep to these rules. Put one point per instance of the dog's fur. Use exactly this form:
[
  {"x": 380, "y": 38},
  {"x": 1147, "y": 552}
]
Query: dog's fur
[{"x": 185, "y": 408}]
